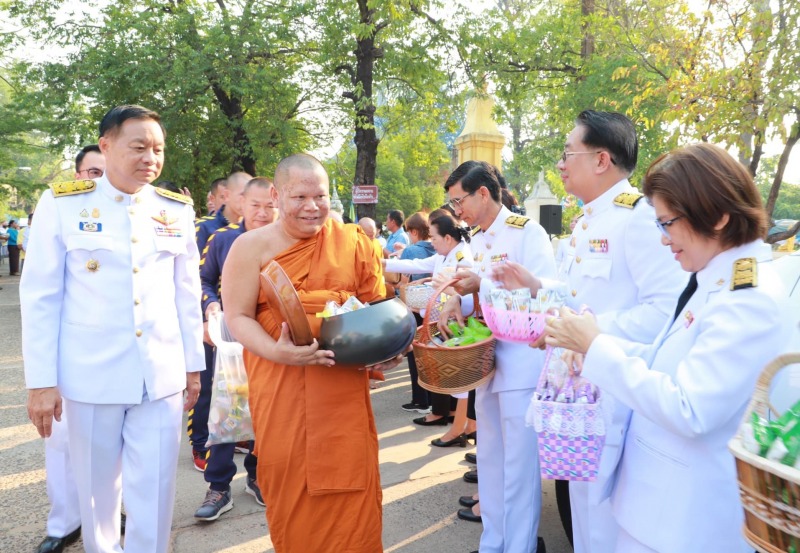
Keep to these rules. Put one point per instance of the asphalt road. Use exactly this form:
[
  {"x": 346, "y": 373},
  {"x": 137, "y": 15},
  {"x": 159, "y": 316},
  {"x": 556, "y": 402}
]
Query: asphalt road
[{"x": 421, "y": 483}]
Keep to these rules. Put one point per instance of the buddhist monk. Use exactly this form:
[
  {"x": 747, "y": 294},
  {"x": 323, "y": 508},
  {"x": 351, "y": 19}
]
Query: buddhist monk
[{"x": 318, "y": 447}]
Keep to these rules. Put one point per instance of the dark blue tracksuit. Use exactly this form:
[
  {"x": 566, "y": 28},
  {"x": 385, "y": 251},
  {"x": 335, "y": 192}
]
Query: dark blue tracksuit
[
  {"x": 220, "y": 467},
  {"x": 197, "y": 417}
]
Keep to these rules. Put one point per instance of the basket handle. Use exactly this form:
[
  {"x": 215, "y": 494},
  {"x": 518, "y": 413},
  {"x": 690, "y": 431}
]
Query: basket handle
[
  {"x": 760, "y": 401},
  {"x": 425, "y": 334}
]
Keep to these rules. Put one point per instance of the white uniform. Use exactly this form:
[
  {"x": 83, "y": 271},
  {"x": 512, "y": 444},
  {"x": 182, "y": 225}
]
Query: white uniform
[
  {"x": 618, "y": 268},
  {"x": 110, "y": 314},
  {"x": 65, "y": 513},
  {"x": 460, "y": 256},
  {"x": 676, "y": 489},
  {"x": 508, "y": 462}
]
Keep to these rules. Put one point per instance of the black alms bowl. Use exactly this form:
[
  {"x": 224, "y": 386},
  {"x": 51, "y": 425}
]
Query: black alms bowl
[{"x": 370, "y": 335}]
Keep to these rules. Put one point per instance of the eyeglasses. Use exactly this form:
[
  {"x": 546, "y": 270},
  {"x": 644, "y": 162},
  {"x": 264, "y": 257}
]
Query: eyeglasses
[
  {"x": 664, "y": 226},
  {"x": 92, "y": 172},
  {"x": 455, "y": 203},
  {"x": 565, "y": 155}
]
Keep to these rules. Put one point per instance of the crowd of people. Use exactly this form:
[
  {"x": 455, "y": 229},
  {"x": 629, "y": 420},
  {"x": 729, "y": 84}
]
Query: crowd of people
[{"x": 121, "y": 280}]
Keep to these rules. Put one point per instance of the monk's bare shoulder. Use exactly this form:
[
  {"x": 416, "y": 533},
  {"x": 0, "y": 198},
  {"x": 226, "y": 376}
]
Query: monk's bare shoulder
[{"x": 260, "y": 243}]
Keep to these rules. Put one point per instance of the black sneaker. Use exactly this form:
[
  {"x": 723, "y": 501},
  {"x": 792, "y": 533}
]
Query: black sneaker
[
  {"x": 214, "y": 505},
  {"x": 251, "y": 487},
  {"x": 416, "y": 408}
]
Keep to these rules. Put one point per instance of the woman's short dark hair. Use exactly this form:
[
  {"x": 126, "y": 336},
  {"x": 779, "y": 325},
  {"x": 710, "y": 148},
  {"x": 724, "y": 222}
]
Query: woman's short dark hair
[
  {"x": 474, "y": 174},
  {"x": 419, "y": 222},
  {"x": 115, "y": 117},
  {"x": 702, "y": 183},
  {"x": 448, "y": 226}
]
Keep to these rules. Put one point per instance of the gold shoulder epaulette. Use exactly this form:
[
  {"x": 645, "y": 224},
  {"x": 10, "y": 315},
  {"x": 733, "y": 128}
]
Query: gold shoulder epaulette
[
  {"x": 459, "y": 256},
  {"x": 475, "y": 230},
  {"x": 70, "y": 188},
  {"x": 174, "y": 196},
  {"x": 628, "y": 199},
  {"x": 517, "y": 221},
  {"x": 745, "y": 273}
]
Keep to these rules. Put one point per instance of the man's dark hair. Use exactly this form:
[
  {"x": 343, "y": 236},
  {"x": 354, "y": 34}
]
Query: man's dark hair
[
  {"x": 216, "y": 183},
  {"x": 397, "y": 216},
  {"x": 114, "y": 119},
  {"x": 30, "y": 217},
  {"x": 613, "y": 132},
  {"x": 168, "y": 185},
  {"x": 82, "y": 154},
  {"x": 473, "y": 175}
]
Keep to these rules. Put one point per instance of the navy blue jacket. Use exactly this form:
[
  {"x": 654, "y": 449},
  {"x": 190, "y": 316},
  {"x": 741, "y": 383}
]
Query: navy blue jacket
[{"x": 216, "y": 250}]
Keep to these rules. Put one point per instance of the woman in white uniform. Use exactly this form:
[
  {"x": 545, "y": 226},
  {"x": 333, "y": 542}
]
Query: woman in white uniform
[{"x": 675, "y": 488}]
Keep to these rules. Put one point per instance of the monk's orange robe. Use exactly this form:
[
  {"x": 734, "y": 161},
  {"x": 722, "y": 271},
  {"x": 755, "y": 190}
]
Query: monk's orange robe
[{"x": 318, "y": 446}]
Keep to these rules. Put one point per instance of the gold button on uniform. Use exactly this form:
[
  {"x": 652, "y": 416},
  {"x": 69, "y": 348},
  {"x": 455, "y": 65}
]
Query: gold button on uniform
[
  {"x": 136, "y": 269},
  {"x": 578, "y": 259},
  {"x": 134, "y": 239},
  {"x": 488, "y": 246},
  {"x": 137, "y": 199},
  {"x": 117, "y": 198},
  {"x": 574, "y": 293},
  {"x": 589, "y": 210},
  {"x": 137, "y": 301},
  {"x": 584, "y": 226},
  {"x": 138, "y": 332}
]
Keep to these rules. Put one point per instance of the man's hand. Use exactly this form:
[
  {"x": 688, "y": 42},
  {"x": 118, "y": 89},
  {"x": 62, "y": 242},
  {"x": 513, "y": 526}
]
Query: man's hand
[
  {"x": 514, "y": 276},
  {"x": 44, "y": 404},
  {"x": 572, "y": 331},
  {"x": 286, "y": 353},
  {"x": 390, "y": 364},
  {"x": 192, "y": 390},
  {"x": 450, "y": 310},
  {"x": 468, "y": 282}
]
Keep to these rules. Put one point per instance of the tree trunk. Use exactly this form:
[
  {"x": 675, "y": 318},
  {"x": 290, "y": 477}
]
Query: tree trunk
[
  {"x": 775, "y": 189},
  {"x": 366, "y": 139},
  {"x": 587, "y": 44}
]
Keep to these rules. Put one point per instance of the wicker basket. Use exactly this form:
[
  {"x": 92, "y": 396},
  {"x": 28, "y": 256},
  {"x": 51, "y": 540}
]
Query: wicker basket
[
  {"x": 416, "y": 294},
  {"x": 453, "y": 370},
  {"x": 770, "y": 491}
]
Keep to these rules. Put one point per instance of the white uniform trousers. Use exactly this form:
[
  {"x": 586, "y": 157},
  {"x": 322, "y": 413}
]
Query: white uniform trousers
[
  {"x": 65, "y": 512},
  {"x": 594, "y": 528},
  {"x": 509, "y": 481},
  {"x": 130, "y": 448},
  {"x": 628, "y": 544}
]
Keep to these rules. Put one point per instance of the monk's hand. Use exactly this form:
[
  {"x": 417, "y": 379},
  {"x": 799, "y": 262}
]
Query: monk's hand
[
  {"x": 513, "y": 276},
  {"x": 286, "y": 353},
  {"x": 572, "y": 331},
  {"x": 391, "y": 363},
  {"x": 192, "y": 390},
  {"x": 450, "y": 310},
  {"x": 468, "y": 282},
  {"x": 44, "y": 405}
]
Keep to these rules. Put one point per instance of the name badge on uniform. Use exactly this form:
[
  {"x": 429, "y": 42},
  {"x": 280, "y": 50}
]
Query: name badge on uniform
[
  {"x": 164, "y": 228},
  {"x": 88, "y": 226},
  {"x": 499, "y": 258},
  {"x": 598, "y": 245}
]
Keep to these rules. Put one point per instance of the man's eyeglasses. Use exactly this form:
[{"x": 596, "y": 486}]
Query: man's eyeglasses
[
  {"x": 565, "y": 155},
  {"x": 455, "y": 203},
  {"x": 92, "y": 172},
  {"x": 663, "y": 226}
]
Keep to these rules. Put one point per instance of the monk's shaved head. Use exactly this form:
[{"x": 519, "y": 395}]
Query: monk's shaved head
[
  {"x": 369, "y": 227},
  {"x": 301, "y": 162}
]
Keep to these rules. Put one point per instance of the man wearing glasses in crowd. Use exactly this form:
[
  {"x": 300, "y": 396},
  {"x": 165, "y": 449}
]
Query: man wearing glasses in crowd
[{"x": 64, "y": 519}]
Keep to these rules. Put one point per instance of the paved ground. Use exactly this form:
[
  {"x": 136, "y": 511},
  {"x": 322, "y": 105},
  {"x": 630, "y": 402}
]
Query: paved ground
[{"x": 421, "y": 483}]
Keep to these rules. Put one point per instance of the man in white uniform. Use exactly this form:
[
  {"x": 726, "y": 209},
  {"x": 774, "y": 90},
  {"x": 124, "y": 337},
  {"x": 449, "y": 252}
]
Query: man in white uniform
[
  {"x": 617, "y": 267},
  {"x": 510, "y": 483},
  {"x": 64, "y": 518},
  {"x": 111, "y": 323}
]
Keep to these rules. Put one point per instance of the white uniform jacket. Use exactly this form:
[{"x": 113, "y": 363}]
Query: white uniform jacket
[
  {"x": 619, "y": 268},
  {"x": 460, "y": 256},
  {"x": 676, "y": 487},
  {"x": 111, "y": 296},
  {"x": 521, "y": 240}
]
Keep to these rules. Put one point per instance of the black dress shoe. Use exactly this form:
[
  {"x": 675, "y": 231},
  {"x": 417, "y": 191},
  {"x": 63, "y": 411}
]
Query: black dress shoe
[
  {"x": 471, "y": 458},
  {"x": 471, "y": 476},
  {"x": 441, "y": 421},
  {"x": 467, "y": 501},
  {"x": 473, "y": 436},
  {"x": 460, "y": 441},
  {"x": 467, "y": 514},
  {"x": 540, "y": 548},
  {"x": 56, "y": 545}
]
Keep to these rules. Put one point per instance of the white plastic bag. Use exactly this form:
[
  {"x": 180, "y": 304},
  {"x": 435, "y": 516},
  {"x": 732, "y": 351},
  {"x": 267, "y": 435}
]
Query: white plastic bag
[{"x": 229, "y": 419}]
